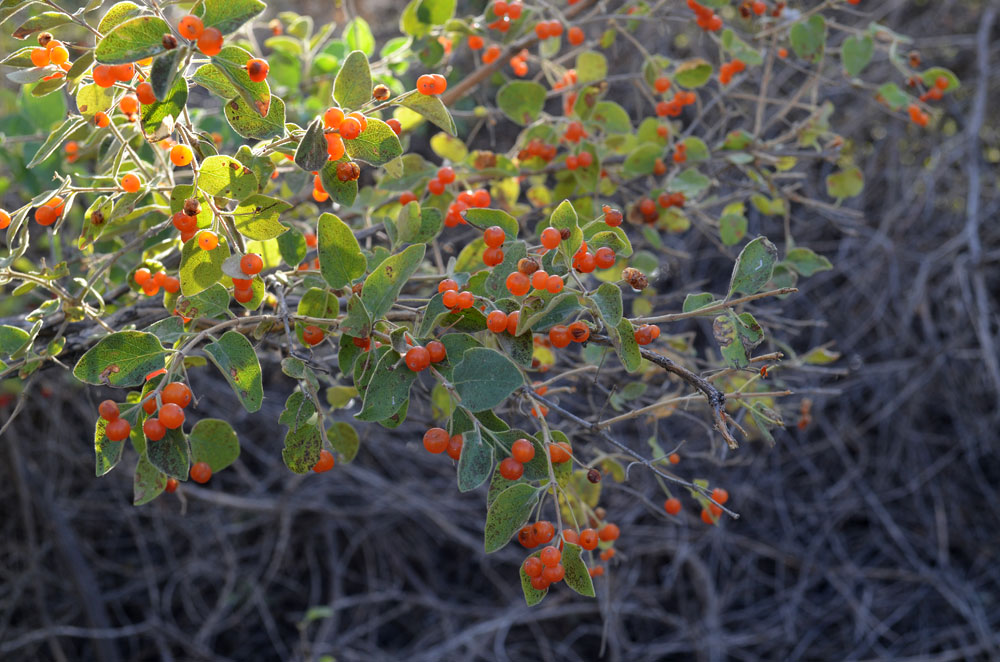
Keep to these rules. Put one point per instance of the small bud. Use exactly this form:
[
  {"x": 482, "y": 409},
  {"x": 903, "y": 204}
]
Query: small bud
[
  {"x": 380, "y": 93},
  {"x": 192, "y": 207},
  {"x": 594, "y": 476},
  {"x": 169, "y": 41},
  {"x": 44, "y": 38}
]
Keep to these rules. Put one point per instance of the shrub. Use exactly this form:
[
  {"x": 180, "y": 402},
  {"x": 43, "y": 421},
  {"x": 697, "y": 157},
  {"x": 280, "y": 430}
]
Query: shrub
[{"x": 298, "y": 222}]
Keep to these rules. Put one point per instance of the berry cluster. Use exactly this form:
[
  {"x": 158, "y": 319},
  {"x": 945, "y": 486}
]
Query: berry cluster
[
  {"x": 647, "y": 333},
  {"x": 454, "y": 299},
  {"x": 674, "y": 106},
  {"x": 730, "y": 69},
  {"x": 209, "y": 39},
  {"x": 420, "y": 358},
  {"x": 174, "y": 397},
  {"x": 437, "y": 441},
  {"x": 151, "y": 283},
  {"x": 432, "y": 84},
  {"x": 50, "y": 212},
  {"x": 708, "y": 20}
]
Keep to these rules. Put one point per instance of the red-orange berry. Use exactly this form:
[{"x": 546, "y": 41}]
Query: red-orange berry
[
  {"x": 108, "y": 410},
  {"x": 257, "y": 69},
  {"x": 207, "y": 240},
  {"x": 540, "y": 583},
  {"x": 607, "y": 554},
  {"x": 465, "y": 300},
  {"x": 181, "y": 155},
  {"x": 325, "y": 462},
  {"x": 190, "y": 27},
  {"x": 674, "y": 458},
  {"x": 559, "y": 336},
  {"x": 707, "y": 517},
  {"x": 672, "y": 506},
  {"x": 210, "y": 41},
  {"x": 437, "y": 351},
  {"x": 539, "y": 279},
  {"x": 550, "y": 556},
  {"x": 417, "y": 359},
  {"x": 526, "y": 536},
  {"x": 251, "y": 264},
  {"x": 522, "y": 451},
  {"x": 496, "y": 321},
  {"x": 543, "y": 532},
  {"x": 454, "y": 449},
  {"x": 154, "y": 429},
  {"x": 551, "y": 238},
  {"x": 144, "y": 93},
  {"x": 176, "y": 393},
  {"x": 130, "y": 183},
  {"x": 579, "y": 331},
  {"x": 554, "y": 574},
  {"x": 560, "y": 452},
  {"x": 511, "y": 469},
  {"x": 171, "y": 415},
  {"x": 492, "y": 256},
  {"x": 494, "y": 236},
  {"x": 533, "y": 566},
  {"x": 609, "y": 532},
  {"x": 118, "y": 429},
  {"x": 720, "y": 495},
  {"x": 313, "y": 335},
  {"x": 201, "y": 472},
  {"x": 554, "y": 284},
  {"x": 128, "y": 104},
  {"x": 171, "y": 487},
  {"x": 436, "y": 440},
  {"x": 518, "y": 284},
  {"x": 512, "y": 321},
  {"x": 589, "y": 539}
]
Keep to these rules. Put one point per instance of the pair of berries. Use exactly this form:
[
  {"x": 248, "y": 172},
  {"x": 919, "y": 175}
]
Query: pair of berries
[
  {"x": 548, "y": 29},
  {"x": 519, "y": 64},
  {"x": 667, "y": 200},
  {"x": 585, "y": 261},
  {"x": 612, "y": 217},
  {"x": 492, "y": 54},
  {"x": 348, "y": 171},
  {"x": 757, "y": 8},
  {"x": 675, "y": 106},
  {"x": 545, "y": 569},
  {"x": 445, "y": 176},
  {"x": 710, "y": 514},
  {"x": 533, "y": 535},
  {"x": 918, "y": 116},
  {"x": 511, "y": 10},
  {"x": 420, "y": 358},
  {"x": 519, "y": 283},
  {"x": 151, "y": 283},
  {"x": 708, "y": 20},
  {"x": 117, "y": 429},
  {"x": 437, "y": 441},
  {"x": 536, "y": 147},
  {"x": 432, "y": 84},
  {"x": 50, "y": 212},
  {"x": 730, "y": 69},
  {"x": 581, "y": 160},
  {"x": 106, "y": 75},
  {"x": 522, "y": 451},
  {"x": 452, "y": 298},
  {"x": 209, "y": 39},
  {"x": 174, "y": 398},
  {"x": 561, "y": 336},
  {"x": 647, "y": 333},
  {"x": 574, "y": 132},
  {"x": 251, "y": 265}
]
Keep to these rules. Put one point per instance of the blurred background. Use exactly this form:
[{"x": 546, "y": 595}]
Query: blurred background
[{"x": 873, "y": 534}]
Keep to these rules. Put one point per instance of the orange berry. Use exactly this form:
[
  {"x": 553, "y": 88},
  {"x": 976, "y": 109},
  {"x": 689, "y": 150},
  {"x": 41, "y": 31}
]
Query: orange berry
[
  {"x": 526, "y": 536},
  {"x": 45, "y": 215},
  {"x": 118, "y": 429},
  {"x": 454, "y": 449},
  {"x": 436, "y": 440},
  {"x": 333, "y": 117},
  {"x": 512, "y": 321},
  {"x": 551, "y": 238},
  {"x": 494, "y": 236},
  {"x": 123, "y": 72},
  {"x": 720, "y": 495},
  {"x": 141, "y": 276},
  {"x": 58, "y": 55},
  {"x": 550, "y": 556},
  {"x": 554, "y": 284},
  {"x": 251, "y": 264},
  {"x": 496, "y": 321},
  {"x": 144, "y": 93},
  {"x": 257, "y": 69},
  {"x": 539, "y": 279},
  {"x": 523, "y": 451},
  {"x": 210, "y": 41},
  {"x": 131, "y": 183},
  {"x": 171, "y": 487},
  {"x": 154, "y": 429},
  {"x": 491, "y": 55},
  {"x": 543, "y": 532},
  {"x": 4, "y": 219},
  {"x": 176, "y": 393},
  {"x": 418, "y": 359},
  {"x": 518, "y": 284},
  {"x": 350, "y": 128},
  {"x": 707, "y": 517},
  {"x": 207, "y": 240},
  {"x": 609, "y": 532},
  {"x": 437, "y": 351},
  {"x": 575, "y": 36},
  {"x": 325, "y": 462},
  {"x": 559, "y": 336},
  {"x": 511, "y": 469},
  {"x": 533, "y": 566},
  {"x": 672, "y": 506},
  {"x": 607, "y": 554},
  {"x": 108, "y": 410},
  {"x": 201, "y": 472},
  {"x": 181, "y": 155},
  {"x": 579, "y": 331},
  {"x": 674, "y": 458},
  {"x": 103, "y": 75},
  {"x": 589, "y": 539},
  {"x": 540, "y": 583},
  {"x": 40, "y": 57},
  {"x": 171, "y": 415},
  {"x": 190, "y": 27},
  {"x": 560, "y": 452},
  {"x": 313, "y": 335}
]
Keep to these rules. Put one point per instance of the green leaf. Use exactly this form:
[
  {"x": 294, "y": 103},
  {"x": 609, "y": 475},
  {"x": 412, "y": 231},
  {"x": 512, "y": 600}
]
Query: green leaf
[
  {"x": 383, "y": 285},
  {"x": 299, "y": 410},
  {"x": 521, "y": 101},
  {"x": 214, "y": 441},
  {"x": 929, "y": 78},
  {"x": 894, "y": 97},
  {"x": 845, "y": 183},
  {"x": 476, "y": 461},
  {"x": 413, "y": 227},
  {"x": 213, "y": 302},
  {"x": 55, "y": 140},
  {"x": 753, "y": 267},
  {"x": 613, "y": 238},
  {"x": 230, "y": 15},
  {"x": 612, "y": 117},
  {"x": 353, "y": 86},
  {"x": 508, "y": 513},
  {"x": 231, "y": 62},
  {"x": 235, "y": 358},
  {"x": 39, "y": 22},
  {"x": 311, "y": 153},
  {"x": 121, "y": 359},
  {"x": 92, "y": 99},
  {"x": 250, "y": 124},
  {"x": 591, "y": 67},
  {"x": 732, "y": 228},
  {"x": 170, "y": 454},
  {"x": 856, "y": 53},
  {"x": 200, "y": 269},
  {"x": 212, "y": 79},
  {"x": 225, "y": 177},
  {"x": 257, "y": 217},
  {"x": 642, "y": 159},
  {"x": 388, "y": 390},
  {"x": 147, "y": 483},
  {"x": 484, "y": 378},
  {"x": 543, "y": 311},
  {"x": 430, "y": 108},
  {"x": 808, "y": 38},
  {"x": 358, "y": 35},
  {"x": 608, "y": 299},
  {"x": 107, "y": 453},
  {"x": 340, "y": 257},
  {"x": 376, "y": 145},
  {"x": 342, "y": 193},
  {"x": 316, "y": 302},
  {"x": 357, "y": 322},
  {"x": 134, "y": 39},
  {"x": 623, "y": 340},
  {"x": 157, "y": 119},
  {"x": 117, "y": 14},
  {"x": 564, "y": 218},
  {"x": 691, "y": 183},
  {"x": 577, "y": 577},
  {"x": 302, "y": 447},
  {"x": 693, "y": 73},
  {"x": 806, "y": 262},
  {"x": 495, "y": 284},
  {"x": 344, "y": 439},
  {"x": 12, "y": 339},
  {"x": 163, "y": 74}
]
